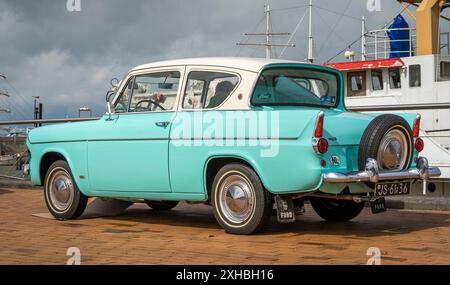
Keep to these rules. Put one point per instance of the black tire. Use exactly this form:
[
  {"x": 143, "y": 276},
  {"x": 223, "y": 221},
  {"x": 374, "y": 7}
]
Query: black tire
[
  {"x": 76, "y": 202},
  {"x": 336, "y": 210},
  {"x": 162, "y": 205},
  {"x": 260, "y": 212},
  {"x": 376, "y": 130}
]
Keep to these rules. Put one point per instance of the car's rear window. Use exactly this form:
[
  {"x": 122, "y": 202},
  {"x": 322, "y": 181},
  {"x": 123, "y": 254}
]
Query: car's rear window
[{"x": 296, "y": 86}]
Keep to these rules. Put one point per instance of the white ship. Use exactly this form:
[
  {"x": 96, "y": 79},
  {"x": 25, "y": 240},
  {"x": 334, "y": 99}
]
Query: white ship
[{"x": 418, "y": 80}]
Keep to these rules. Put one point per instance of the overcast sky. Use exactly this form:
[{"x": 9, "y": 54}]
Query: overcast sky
[{"x": 67, "y": 58}]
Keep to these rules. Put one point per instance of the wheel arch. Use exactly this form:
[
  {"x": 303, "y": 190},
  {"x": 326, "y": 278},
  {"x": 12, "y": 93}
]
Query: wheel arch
[
  {"x": 51, "y": 155},
  {"x": 215, "y": 163},
  {"x": 47, "y": 160}
]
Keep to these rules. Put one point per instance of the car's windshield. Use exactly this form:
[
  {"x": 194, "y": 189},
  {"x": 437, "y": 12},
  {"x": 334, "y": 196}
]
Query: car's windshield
[{"x": 296, "y": 86}]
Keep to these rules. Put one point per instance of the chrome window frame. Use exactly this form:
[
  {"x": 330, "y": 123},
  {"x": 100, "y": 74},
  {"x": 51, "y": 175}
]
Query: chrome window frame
[
  {"x": 131, "y": 74},
  {"x": 190, "y": 69}
]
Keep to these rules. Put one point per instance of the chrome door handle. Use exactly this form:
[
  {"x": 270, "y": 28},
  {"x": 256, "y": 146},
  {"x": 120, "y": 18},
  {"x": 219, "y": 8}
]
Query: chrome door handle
[{"x": 162, "y": 124}]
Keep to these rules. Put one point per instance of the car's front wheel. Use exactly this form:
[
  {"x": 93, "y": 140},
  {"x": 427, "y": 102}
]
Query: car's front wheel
[
  {"x": 336, "y": 210},
  {"x": 241, "y": 204},
  {"x": 62, "y": 196}
]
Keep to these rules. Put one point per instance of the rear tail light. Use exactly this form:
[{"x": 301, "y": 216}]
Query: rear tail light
[
  {"x": 416, "y": 130},
  {"x": 419, "y": 144},
  {"x": 320, "y": 144},
  {"x": 318, "y": 132}
]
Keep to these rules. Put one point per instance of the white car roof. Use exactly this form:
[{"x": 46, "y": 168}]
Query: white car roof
[{"x": 250, "y": 64}]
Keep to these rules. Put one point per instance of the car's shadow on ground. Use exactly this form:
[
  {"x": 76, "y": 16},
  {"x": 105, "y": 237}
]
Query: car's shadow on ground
[
  {"x": 364, "y": 227},
  {"x": 187, "y": 216},
  {"x": 4, "y": 191},
  {"x": 391, "y": 223}
]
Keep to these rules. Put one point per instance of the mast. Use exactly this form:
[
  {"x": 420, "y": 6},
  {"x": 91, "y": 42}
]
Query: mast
[
  {"x": 310, "y": 36},
  {"x": 268, "y": 47},
  {"x": 363, "y": 38},
  {"x": 4, "y": 93},
  {"x": 268, "y": 35}
]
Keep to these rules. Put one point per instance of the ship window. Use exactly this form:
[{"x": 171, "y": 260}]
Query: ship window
[
  {"x": 445, "y": 70},
  {"x": 356, "y": 84},
  {"x": 394, "y": 78},
  {"x": 377, "y": 79},
  {"x": 414, "y": 76}
]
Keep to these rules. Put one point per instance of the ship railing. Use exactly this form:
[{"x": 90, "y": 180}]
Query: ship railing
[
  {"x": 14, "y": 171},
  {"x": 377, "y": 44}
]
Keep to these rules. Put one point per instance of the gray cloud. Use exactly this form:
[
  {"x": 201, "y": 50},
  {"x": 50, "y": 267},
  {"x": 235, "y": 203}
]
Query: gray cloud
[{"x": 68, "y": 58}]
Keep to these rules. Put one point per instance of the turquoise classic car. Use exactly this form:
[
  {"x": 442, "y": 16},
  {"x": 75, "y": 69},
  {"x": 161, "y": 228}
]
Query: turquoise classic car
[{"x": 248, "y": 136}]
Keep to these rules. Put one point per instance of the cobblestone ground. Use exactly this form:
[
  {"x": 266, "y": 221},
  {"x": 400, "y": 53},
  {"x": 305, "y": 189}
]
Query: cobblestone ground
[{"x": 189, "y": 235}]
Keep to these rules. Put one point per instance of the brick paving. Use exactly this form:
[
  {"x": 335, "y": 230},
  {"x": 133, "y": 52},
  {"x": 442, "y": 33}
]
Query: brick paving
[{"x": 189, "y": 235}]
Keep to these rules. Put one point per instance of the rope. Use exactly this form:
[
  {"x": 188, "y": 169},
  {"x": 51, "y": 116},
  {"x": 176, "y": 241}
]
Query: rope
[
  {"x": 352, "y": 43},
  {"x": 293, "y": 34},
  {"x": 247, "y": 37},
  {"x": 19, "y": 96},
  {"x": 340, "y": 14},
  {"x": 335, "y": 25},
  {"x": 288, "y": 8}
]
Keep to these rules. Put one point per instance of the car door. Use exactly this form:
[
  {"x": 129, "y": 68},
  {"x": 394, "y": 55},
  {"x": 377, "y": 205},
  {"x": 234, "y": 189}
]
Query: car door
[
  {"x": 205, "y": 90},
  {"x": 130, "y": 151}
]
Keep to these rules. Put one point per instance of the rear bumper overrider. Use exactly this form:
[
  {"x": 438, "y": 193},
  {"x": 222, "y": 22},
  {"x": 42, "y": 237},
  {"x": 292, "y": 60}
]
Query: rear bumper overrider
[{"x": 374, "y": 175}]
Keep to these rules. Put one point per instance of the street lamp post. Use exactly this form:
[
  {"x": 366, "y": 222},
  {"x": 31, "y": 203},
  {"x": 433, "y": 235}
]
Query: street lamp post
[
  {"x": 84, "y": 109},
  {"x": 36, "y": 109}
]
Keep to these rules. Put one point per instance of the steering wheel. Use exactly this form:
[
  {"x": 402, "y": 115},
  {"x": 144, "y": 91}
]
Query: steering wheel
[{"x": 148, "y": 108}]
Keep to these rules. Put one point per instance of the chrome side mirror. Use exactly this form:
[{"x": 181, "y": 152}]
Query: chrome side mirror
[{"x": 109, "y": 110}]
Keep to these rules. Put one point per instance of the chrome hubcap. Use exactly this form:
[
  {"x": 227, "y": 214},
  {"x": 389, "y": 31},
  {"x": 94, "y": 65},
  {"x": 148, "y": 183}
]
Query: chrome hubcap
[
  {"x": 392, "y": 153},
  {"x": 61, "y": 190},
  {"x": 237, "y": 198}
]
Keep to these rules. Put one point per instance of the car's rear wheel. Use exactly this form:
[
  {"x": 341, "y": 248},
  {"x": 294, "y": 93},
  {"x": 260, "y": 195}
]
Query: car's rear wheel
[
  {"x": 162, "y": 205},
  {"x": 336, "y": 210},
  {"x": 240, "y": 203},
  {"x": 62, "y": 196}
]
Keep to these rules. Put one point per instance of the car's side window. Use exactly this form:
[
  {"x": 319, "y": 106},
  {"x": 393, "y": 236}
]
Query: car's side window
[
  {"x": 193, "y": 94},
  {"x": 149, "y": 92},
  {"x": 208, "y": 89},
  {"x": 121, "y": 105},
  {"x": 154, "y": 92}
]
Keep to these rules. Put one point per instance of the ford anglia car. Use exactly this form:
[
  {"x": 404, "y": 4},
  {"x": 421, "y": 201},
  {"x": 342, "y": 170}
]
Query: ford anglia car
[{"x": 248, "y": 136}]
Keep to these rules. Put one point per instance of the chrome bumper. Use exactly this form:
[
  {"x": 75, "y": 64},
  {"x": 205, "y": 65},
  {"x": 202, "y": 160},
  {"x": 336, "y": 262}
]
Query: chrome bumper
[{"x": 373, "y": 174}]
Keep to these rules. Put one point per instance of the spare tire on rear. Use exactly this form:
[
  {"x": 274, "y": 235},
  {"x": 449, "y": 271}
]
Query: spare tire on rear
[{"x": 389, "y": 140}]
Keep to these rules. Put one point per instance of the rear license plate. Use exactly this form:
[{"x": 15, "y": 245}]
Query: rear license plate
[
  {"x": 378, "y": 205},
  {"x": 391, "y": 189}
]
